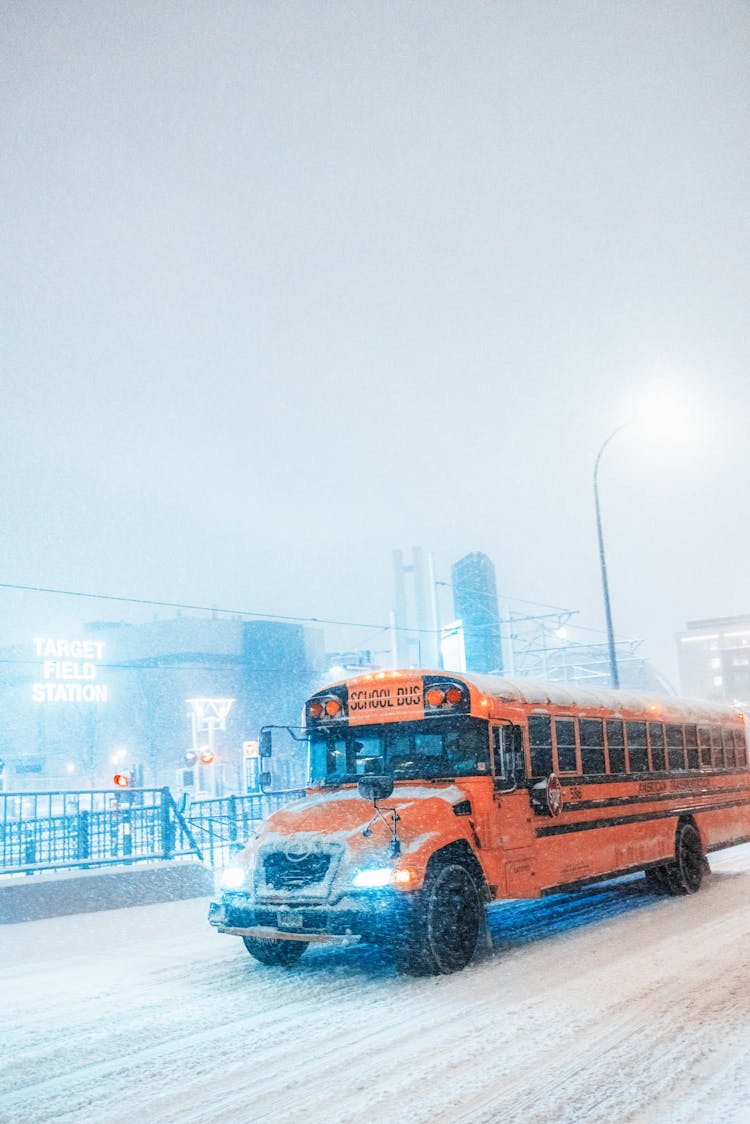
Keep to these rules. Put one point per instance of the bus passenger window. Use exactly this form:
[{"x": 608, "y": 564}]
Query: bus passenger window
[
  {"x": 728, "y": 740},
  {"x": 740, "y": 746},
  {"x": 656, "y": 741},
  {"x": 704, "y": 745},
  {"x": 540, "y": 739},
  {"x": 616, "y": 746},
  {"x": 637, "y": 748},
  {"x": 691, "y": 742},
  {"x": 717, "y": 752},
  {"x": 565, "y": 738},
  {"x": 592, "y": 745},
  {"x": 675, "y": 748}
]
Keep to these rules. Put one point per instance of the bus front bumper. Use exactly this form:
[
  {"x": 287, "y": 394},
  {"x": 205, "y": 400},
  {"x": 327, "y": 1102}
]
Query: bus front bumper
[{"x": 373, "y": 919}]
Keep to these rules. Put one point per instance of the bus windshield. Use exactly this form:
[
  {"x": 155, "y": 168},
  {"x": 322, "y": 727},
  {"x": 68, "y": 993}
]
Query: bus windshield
[{"x": 434, "y": 747}]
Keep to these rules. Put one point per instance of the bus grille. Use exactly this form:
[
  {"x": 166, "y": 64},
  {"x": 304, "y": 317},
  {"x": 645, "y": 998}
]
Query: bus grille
[{"x": 283, "y": 873}]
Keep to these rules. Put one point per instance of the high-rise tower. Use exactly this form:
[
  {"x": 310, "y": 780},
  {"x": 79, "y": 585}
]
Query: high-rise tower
[{"x": 475, "y": 602}]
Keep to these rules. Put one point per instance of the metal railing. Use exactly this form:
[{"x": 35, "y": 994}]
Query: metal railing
[
  {"x": 223, "y": 825},
  {"x": 45, "y": 831}
]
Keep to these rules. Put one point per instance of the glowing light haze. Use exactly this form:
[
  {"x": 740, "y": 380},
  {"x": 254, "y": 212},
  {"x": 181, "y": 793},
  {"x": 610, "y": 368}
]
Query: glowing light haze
[{"x": 288, "y": 286}]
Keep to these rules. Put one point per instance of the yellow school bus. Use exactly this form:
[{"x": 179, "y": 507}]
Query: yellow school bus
[{"x": 431, "y": 795}]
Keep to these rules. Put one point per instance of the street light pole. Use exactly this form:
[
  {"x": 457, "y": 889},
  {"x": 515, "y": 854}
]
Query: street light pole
[{"x": 614, "y": 675}]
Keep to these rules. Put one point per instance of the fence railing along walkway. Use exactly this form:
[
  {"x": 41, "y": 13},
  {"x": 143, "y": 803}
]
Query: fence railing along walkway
[{"x": 43, "y": 831}]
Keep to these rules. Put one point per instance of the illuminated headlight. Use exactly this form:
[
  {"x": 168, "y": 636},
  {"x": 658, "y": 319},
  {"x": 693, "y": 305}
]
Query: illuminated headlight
[
  {"x": 232, "y": 878},
  {"x": 378, "y": 876}
]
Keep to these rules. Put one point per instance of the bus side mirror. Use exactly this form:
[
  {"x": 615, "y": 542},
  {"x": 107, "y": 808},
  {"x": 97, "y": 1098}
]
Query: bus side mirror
[
  {"x": 375, "y": 787},
  {"x": 265, "y": 743}
]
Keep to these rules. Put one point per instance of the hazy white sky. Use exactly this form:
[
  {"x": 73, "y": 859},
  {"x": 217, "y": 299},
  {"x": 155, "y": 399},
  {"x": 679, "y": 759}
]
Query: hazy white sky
[{"x": 286, "y": 286}]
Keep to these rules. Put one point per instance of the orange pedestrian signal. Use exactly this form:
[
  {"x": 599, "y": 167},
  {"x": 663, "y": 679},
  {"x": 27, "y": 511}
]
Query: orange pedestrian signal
[
  {"x": 122, "y": 780},
  {"x": 207, "y": 757}
]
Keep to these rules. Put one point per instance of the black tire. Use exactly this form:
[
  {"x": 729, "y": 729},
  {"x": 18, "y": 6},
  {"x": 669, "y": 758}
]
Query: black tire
[
  {"x": 657, "y": 880},
  {"x": 441, "y": 935},
  {"x": 685, "y": 874},
  {"x": 269, "y": 951}
]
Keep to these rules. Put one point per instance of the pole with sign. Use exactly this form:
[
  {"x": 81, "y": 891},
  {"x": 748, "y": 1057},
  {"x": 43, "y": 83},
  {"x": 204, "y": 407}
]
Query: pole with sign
[{"x": 250, "y": 756}]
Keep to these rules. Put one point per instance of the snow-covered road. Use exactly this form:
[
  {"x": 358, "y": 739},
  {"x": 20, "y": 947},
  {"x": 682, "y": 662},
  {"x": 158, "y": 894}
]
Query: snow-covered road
[{"x": 610, "y": 1005}]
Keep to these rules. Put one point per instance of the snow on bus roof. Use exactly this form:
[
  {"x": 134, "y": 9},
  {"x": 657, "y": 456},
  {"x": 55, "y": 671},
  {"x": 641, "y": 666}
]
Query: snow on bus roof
[
  {"x": 534, "y": 691},
  {"x": 537, "y": 692}
]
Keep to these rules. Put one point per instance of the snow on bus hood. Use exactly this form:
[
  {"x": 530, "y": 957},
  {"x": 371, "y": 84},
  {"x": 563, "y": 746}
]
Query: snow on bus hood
[{"x": 345, "y": 811}]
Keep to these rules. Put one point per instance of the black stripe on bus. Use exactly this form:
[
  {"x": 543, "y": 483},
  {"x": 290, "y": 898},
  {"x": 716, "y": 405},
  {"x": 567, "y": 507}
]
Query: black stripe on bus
[
  {"x": 589, "y": 879},
  {"x": 648, "y": 798},
  {"x": 569, "y": 779},
  {"x": 644, "y": 817}
]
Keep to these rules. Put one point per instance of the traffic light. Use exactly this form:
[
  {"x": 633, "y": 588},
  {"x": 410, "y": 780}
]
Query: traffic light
[
  {"x": 207, "y": 757},
  {"x": 122, "y": 780},
  {"x": 191, "y": 757}
]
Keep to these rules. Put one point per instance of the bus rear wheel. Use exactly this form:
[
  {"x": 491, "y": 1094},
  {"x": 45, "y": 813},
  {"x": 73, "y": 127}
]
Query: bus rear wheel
[
  {"x": 685, "y": 874},
  {"x": 657, "y": 880},
  {"x": 269, "y": 951},
  {"x": 441, "y": 936}
]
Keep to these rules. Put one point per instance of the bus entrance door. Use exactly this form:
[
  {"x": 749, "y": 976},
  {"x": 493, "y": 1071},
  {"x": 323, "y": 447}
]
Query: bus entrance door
[{"x": 515, "y": 838}]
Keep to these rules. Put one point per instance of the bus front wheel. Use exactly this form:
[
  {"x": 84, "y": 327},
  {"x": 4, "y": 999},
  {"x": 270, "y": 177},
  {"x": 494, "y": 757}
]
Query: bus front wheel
[
  {"x": 269, "y": 951},
  {"x": 441, "y": 935}
]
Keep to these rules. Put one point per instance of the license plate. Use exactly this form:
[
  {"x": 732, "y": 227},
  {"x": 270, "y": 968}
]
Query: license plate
[{"x": 289, "y": 919}]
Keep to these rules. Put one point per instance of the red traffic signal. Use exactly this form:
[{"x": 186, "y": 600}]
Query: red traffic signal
[
  {"x": 122, "y": 780},
  {"x": 207, "y": 757}
]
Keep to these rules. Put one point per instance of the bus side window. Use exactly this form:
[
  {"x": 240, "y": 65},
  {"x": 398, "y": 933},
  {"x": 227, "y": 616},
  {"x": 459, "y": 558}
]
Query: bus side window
[
  {"x": 691, "y": 742},
  {"x": 728, "y": 740},
  {"x": 656, "y": 741},
  {"x": 676, "y": 748},
  {"x": 540, "y": 738},
  {"x": 592, "y": 745},
  {"x": 507, "y": 749},
  {"x": 637, "y": 747},
  {"x": 616, "y": 745},
  {"x": 704, "y": 744},
  {"x": 565, "y": 741},
  {"x": 740, "y": 746}
]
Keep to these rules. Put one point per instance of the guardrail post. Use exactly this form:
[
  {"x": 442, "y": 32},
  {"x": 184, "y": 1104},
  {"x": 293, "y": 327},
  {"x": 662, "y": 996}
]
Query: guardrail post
[
  {"x": 83, "y": 840},
  {"x": 29, "y": 846},
  {"x": 126, "y": 806},
  {"x": 168, "y": 824},
  {"x": 233, "y": 825}
]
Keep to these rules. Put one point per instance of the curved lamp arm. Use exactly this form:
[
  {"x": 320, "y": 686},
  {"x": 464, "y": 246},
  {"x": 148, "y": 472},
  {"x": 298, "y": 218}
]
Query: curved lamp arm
[{"x": 614, "y": 674}]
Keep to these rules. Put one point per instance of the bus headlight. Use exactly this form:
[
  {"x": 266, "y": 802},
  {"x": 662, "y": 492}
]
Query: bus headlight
[
  {"x": 373, "y": 877},
  {"x": 232, "y": 878},
  {"x": 379, "y": 876}
]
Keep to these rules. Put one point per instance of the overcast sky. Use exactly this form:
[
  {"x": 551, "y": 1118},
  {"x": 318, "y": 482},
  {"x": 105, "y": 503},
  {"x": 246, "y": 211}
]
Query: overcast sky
[{"x": 286, "y": 286}]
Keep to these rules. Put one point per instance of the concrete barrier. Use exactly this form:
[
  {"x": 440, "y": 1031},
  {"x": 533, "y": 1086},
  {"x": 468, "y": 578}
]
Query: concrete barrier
[{"x": 55, "y": 895}]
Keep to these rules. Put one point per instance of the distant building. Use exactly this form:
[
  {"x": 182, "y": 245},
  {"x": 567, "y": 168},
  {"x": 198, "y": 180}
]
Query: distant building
[
  {"x": 714, "y": 659},
  {"x": 414, "y": 624},
  {"x": 119, "y": 692},
  {"x": 475, "y": 605}
]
